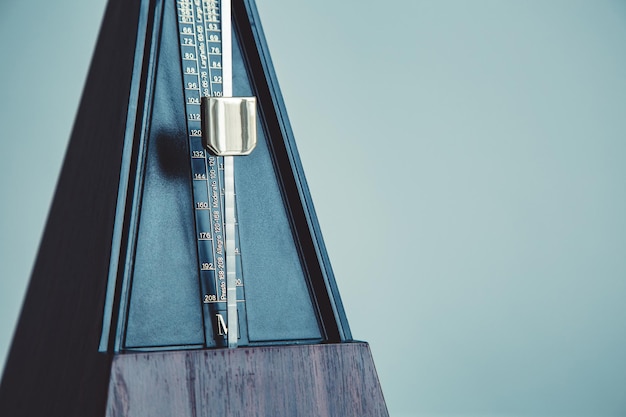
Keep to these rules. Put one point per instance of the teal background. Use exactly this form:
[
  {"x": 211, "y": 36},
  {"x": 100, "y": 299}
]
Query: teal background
[{"x": 467, "y": 160}]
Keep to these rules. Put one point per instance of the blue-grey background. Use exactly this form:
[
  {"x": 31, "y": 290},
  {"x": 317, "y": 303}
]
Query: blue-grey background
[{"x": 467, "y": 160}]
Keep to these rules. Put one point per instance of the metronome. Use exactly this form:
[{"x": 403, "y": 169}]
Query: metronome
[{"x": 182, "y": 269}]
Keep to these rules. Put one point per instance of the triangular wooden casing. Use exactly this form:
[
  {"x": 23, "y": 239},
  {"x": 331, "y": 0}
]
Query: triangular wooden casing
[{"x": 91, "y": 341}]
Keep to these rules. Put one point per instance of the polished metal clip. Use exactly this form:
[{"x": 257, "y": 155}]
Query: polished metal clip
[{"x": 229, "y": 125}]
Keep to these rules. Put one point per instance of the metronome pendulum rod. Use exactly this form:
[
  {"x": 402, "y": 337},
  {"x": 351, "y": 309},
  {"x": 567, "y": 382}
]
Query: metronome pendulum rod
[{"x": 231, "y": 261}]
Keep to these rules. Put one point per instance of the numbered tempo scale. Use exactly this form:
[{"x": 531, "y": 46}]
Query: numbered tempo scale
[
  {"x": 207, "y": 72},
  {"x": 204, "y": 286}
]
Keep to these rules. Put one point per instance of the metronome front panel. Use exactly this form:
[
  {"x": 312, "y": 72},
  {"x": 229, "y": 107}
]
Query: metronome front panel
[{"x": 164, "y": 303}]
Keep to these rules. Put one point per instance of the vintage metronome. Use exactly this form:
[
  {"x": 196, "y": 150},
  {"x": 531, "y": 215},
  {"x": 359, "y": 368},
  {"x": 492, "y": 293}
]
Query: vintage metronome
[{"x": 182, "y": 271}]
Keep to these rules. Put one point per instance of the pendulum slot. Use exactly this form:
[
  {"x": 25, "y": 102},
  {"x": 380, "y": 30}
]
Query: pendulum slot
[{"x": 206, "y": 56}]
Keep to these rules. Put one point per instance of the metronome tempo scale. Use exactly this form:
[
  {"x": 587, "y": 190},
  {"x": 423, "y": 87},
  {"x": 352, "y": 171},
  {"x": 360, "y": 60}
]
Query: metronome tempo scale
[
  {"x": 202, "y": 236},
  {"x": 206, "y": 65}
]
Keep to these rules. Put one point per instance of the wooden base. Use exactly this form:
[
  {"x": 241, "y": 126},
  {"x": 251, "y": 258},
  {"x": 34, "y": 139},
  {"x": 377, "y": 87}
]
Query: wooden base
[{"x": 304, "y": 380}]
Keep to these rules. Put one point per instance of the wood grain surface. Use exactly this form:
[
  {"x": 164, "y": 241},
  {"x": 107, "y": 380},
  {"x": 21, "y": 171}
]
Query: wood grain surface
[{"x": 305, "y": 380}]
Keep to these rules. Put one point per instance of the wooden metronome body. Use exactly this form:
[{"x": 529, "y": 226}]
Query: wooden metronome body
[{"x": 117, "y": 319}]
